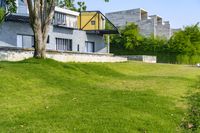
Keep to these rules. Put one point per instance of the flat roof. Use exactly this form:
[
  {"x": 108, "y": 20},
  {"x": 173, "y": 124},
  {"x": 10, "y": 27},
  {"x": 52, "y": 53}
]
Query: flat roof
[{"x": 66, "y": 11}]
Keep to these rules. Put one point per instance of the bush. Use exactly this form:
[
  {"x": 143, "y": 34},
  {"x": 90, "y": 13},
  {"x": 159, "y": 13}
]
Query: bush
[
  {"x": 183, "y": 59},
  {"x": 194, "y": 59}
]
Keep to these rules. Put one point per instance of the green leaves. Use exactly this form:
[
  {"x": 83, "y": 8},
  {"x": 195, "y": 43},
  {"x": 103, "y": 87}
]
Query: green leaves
[
  {"x": 70, "y": 4},
  {"x": 82, "y": 6},
  {"x": 2, "y": 13},
  {"x": 186, "y": 41},
  {"x": 130, "y": 36},
  {"x": 11, "y": 6},
  {"x": 8, "y": 7}
]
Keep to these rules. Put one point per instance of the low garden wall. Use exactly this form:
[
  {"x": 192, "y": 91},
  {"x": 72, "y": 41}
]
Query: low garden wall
[
  {"x": 144, "y": 58},
  {"x": 9, "y": 54}
]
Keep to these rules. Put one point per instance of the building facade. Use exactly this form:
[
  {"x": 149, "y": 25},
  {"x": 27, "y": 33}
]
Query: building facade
[
  {"x": 64, "y": 33},
  {"x": 148, "y": 25}
]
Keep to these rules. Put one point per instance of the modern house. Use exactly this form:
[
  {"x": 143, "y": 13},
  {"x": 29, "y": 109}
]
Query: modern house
[
  {"x": 148, "y": 25},
  {"x": 70, "y": 31}
]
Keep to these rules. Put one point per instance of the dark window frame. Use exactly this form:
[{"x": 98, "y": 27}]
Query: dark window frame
[
  {"x": 64, "y": 44},
  {"x": 93, "y": 43},
  {"x": 27, "y": 35},
  {"x": 93, "y": 22}
]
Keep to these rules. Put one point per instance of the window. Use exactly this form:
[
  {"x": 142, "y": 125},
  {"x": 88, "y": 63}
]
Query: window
[
  {"x": 89, "y": 47},
  {"x": 78, "y": 47},
  {"x": 63, "y": 44},
  {"x": 65, "y": 19},
  {"x": 48, "y": 39},
  {"x": 93, "y": 22},
  {"x": 25, "y": 41},
  {"x": 60, "y": 18}
]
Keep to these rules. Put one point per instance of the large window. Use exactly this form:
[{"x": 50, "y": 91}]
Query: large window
[
  {"x": 63, "y": 44},
  {"x": 65, "y": 19},
  {"x": 59, "y": 18},
  {"x": 25, "y": 41},
  {"x": 89, "y": 47}
]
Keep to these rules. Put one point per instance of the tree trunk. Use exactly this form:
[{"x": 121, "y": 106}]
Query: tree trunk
[
  {"x": 40, "y": 39},
  {"x": 40, "y": 46},
  {"x": 41, "y": 15}
]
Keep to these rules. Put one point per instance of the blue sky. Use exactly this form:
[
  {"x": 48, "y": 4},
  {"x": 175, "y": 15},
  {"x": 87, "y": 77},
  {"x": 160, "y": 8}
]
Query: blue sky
[{"x": 178, "y": 12}]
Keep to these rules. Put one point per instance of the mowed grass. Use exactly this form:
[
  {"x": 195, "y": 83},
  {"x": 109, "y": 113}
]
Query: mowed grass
[{"x": 45, "y": 96}]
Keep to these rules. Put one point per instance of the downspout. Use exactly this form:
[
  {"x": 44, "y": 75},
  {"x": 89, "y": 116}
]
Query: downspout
[{"x": 108, "y": 43}]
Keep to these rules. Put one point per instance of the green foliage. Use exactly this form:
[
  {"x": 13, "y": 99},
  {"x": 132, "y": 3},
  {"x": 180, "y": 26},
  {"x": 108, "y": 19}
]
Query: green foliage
[
  {"x": 47, "y": 96},
  {"x": 186, "y": 41},
  {"x": 191, "y": 122},
  {"x": 82, "y": 6},
  {"x": 69, "y": 4},
  {"x": 183, "y": 59},
  {"x": 9, "y": 7},
  {"x": 129, "y": 36},
  {"x": 183, "y": 46},
  {"x": 2, "y": 13},
  {"x": 153, "y": 44}
]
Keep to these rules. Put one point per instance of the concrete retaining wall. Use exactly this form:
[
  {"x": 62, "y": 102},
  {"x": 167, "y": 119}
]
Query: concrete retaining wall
[
  {"x": 144, "y": 58},
  {"x": 18, "y": 55}
]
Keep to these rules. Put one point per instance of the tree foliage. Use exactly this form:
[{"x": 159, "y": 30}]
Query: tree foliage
[
  {"x": 186, "y": 41},
  {"x": 129, "y": 36},
  {"x": 82, "y": 6},
  {"x": 6, "y": 7},
  {"x": 2, "y": 14},
  {"x": 182, "y": 47},
  {"x": 69, "y": 4}
]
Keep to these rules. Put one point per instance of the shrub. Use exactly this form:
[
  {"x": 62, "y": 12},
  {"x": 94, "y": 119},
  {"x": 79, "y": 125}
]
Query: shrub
[{"x": 183, "y": 59}]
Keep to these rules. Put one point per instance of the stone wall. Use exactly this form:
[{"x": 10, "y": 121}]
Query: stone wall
[{"x": 19, "y": 54}]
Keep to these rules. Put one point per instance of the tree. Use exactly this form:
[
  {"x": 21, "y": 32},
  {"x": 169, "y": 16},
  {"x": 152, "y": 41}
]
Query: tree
[
  {"x": 41, "y": 14},
  {"x": 69, "y": 4},
  {"x": 129, "y": 37},
  {"x": 82, "y": 6},
  {"x": 186, "y": 41},
  {"x": 6, "y": 7}
]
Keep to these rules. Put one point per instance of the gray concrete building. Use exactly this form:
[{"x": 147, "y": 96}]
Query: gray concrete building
[{"x": 148, "y": 25}]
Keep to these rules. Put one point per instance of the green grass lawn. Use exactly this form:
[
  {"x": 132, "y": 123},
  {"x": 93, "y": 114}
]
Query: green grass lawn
[{"x": 45, "y": 96}]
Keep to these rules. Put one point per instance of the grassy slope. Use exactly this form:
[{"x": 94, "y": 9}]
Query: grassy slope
[{"x": 47, "y": 96}]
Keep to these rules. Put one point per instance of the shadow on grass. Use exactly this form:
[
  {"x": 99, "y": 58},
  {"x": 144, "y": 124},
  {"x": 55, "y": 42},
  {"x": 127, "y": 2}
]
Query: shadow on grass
[{"x": 191, "y": 122}]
